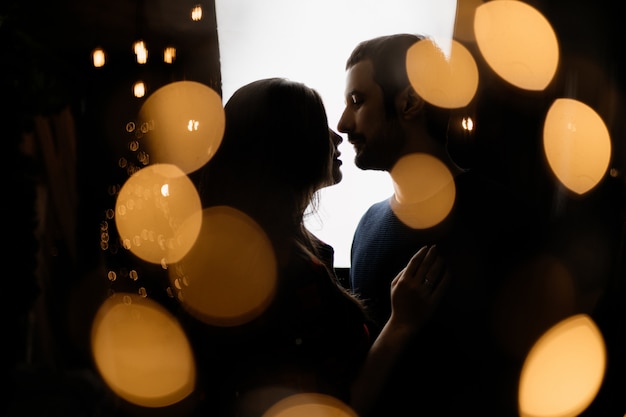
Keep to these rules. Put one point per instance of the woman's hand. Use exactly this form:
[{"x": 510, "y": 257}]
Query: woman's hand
[
  {"x": 415, "y": 292},
  {"x": 417, "y": 289}
]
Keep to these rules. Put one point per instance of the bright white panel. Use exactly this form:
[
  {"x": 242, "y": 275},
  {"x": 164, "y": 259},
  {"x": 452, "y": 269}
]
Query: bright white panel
[{"x": 309, "y": 41}]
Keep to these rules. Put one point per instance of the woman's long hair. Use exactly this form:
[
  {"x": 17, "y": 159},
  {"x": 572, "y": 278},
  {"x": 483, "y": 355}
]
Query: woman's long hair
[{"x": 274, "y": 155}]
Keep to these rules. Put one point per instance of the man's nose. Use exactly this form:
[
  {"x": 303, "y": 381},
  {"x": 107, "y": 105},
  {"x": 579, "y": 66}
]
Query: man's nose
[{"x": 344, "y": 124}]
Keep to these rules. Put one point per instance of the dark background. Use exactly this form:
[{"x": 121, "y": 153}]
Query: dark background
[{"x": 60, "y": 243}]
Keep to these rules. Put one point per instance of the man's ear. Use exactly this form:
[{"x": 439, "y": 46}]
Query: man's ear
[{"x": 411, "y": 104}]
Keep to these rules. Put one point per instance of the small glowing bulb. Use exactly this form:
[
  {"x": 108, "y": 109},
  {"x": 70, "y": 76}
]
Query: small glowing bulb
[
  {"x": 196, "y": 13},
  {"x": 165, "y": 190},
  {"x": 192, "y": 125},
  {"x": 98, "y": 57},
  {"x": 468, "y": 124},
  {"x": 139, "y": 46},
  {"x": 141, "y": 51},
  {"x": 139, "y": 89},
  {"x": 169, "y": 54}
]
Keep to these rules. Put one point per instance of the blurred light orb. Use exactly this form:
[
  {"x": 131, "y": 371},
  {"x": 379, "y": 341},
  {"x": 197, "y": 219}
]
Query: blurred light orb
[
  {"x": 310, "y": 405},
  {"x": 424, "y": 190},
  {"x": 229, "y": 276},
  {"x": 142, "y": 352},
  {"x": 158, "y": 214},
  {"x": 445, "y": 81},
  {"x": 577, "y": 144},
  {"x": 99, "y": 57},
  {"x": 187, "y": 124},
  {"x": 517, "y": 42},
  {"x": 563, "y": 371},
  {"x": 139, "y": 89}
]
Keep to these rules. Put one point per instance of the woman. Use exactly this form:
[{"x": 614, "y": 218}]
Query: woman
[{"x": 277, "y": 152}]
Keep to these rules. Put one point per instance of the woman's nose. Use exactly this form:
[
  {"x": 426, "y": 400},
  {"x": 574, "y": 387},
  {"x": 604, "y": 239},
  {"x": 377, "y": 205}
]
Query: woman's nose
[{"x": 336, "y": 137}]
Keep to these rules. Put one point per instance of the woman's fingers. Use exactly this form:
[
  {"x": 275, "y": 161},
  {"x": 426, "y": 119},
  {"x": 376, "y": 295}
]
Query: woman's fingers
[
  {"x": 434, "y": 272},
  {"x": 415, "y": 291},
  {"x": 416, "y": 261},
  {"x": 425, "y": 264}
]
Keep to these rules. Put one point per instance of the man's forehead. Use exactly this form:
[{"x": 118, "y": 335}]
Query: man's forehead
[{"x": 360, "y": 77}]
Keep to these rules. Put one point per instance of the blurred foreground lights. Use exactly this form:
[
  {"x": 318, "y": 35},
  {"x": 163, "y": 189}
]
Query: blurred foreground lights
[
  {"x": 229, "y": 276},
  {"x": 141, "y": 51},
  {"x": 424, "y": 190},
  {"x": 139, "y": 89},
  {"x": 564, "y": 370},
  {"x": 196, "y": 13},
  {"x": 158, "y": 214},
  {"x": 141, "y": 352},
  {"x": 99, "y": 57},
  {"x": 187, "y": 121},
  {"x": 517, "y": 42},
  {"x": 169, "y": 55},
  {"x": 310, "y": 405},
  {"x": 445, "y": 81},
  {"x": 577, "y": 144}
]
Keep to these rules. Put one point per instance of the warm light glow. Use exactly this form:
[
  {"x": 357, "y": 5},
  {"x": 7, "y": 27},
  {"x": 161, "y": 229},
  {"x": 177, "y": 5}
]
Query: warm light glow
[
  {"x": 310, "y": 405},
  {"x": 186, "y": 120},
  {"x": 564, "y": 370},
  {"x": 169, "y": 54},
  {"x": 141, "y": 52},
  {"x": 445, "y": 81},
  {"x": 577, "y": 144},
  {"x": 517, "y": 42},
  {"x": 424, "y": 190},
  {"x": 196, "y": 13},
  {"x": 142, "y": 57},
  {"x": 467, "y": 124},
  {"x": 141, "y": 352},
  {"x": 229, "y": 276},
  {"x": 158, "y": 214},
  {"x": 139, "y": 46},
  {"x": 139, "y": 89},
  {"x": 99, "y": 57}
]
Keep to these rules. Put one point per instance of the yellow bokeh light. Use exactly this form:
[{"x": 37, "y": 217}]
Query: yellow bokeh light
[
  {"x": 139, "y": 89},
  {"x": 229, "y": 276},
  {"x": 196, "y": 13},
  {"x": 169, "y": 54},
  {"x": 310, "y": 405},
  {"x": 99, "y": 57},
  {"x": 158, "y": 214},
  {"x": 170, "y": 112},
  {"x": 564, "y": 370},
  {"x": 577, "y": 144},
  {"x": 444, "y": 81},
  {"x": 141, "y": 352},
  {"x": 517, "y": 42},
  {"x": 424, "y": 190}
]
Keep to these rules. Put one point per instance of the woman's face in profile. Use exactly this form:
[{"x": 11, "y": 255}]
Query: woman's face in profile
[{"x": 335, "y": 140}]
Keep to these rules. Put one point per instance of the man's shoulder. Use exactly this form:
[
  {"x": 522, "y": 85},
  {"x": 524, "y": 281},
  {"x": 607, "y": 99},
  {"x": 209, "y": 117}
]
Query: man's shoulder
[
  {"x": 376, "y": 211},
  {"x": 379, "y": 206}
]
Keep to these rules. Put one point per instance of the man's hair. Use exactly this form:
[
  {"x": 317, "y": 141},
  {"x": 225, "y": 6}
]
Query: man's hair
[
  {"x": 388, "y": 57},
  {"x": 388, "y": 54}
]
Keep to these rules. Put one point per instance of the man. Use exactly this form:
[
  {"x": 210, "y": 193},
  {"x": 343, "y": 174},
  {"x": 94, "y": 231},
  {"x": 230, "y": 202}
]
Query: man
[{"x": 457, "y": 364}]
